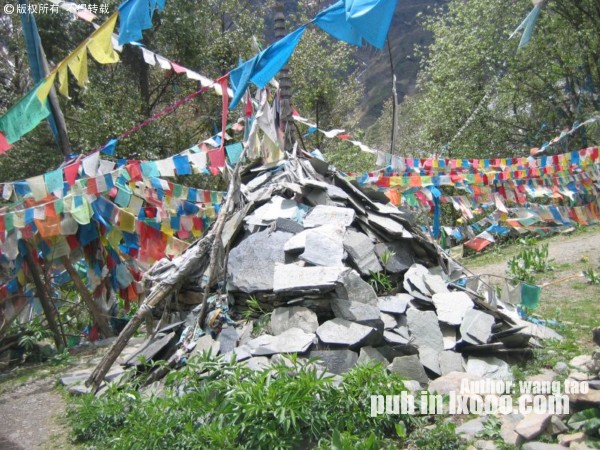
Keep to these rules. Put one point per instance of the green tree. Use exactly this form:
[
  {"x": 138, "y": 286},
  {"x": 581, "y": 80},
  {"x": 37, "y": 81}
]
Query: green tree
[{"x": 521, "y": 98}]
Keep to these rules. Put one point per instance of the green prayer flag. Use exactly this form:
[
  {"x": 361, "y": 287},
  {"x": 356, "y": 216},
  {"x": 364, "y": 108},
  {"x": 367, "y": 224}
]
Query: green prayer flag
[
  {"x": 530, "y": 295},
  {"x": 24, "y": 116}
]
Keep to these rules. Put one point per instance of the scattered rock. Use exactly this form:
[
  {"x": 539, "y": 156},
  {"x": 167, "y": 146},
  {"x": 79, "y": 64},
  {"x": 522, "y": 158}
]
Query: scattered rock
[
  {"x": 451, "y": 362},
  {"x": 361, "y": 251},
  {"x": 476, "y": 327},
  {"x": 395, "y": 304},
  {"x": 425, "y": 330},
  {"x": 532, "y": 425},
  {"x": 398, "y": 257},
  {"x": 542, "y": 446},
  {"x": 568, "y": 439},
  {"x": 581, "y": 363},
  {"x": 344, "y": 332},
  {"x": 451, "y": 382},
  {"x": 435, "y": 284},
  {"x": 485, "y": 445},
  {"x": 206, "y": 343},
  {"x": 596, "y": 335},
  {"x": 371, "y": 354},
  {"x": 336, "y": 361},
  {"x": 409, "y": 367},
  {"x": 291, "y": 278},
  {"x": 324, "y": 250},
  {"x": 507, "y": 428},
  {"x": 545, "y": 375},
  {"x": 284, "y": 318},
  {"x": 257, "y": 363},
  {"x": 591, "y": 398},
  {"x": 355, "y": 289},
  {"x": 430, "y": 359},
  {"x": 227, "y": 339},
  {"x": 489, "y": 367},
  {"x": 451, "y": 307},
  {"x": 323, "y": 215},
  {"x": 389, "y": 321},
  {"x": 561, "y": 368},
  {"x": 556, "y": 426},
  {"x": 470, "y": 429},
  {"x": 251, "y": 264},
  {"x": 293, "y": 340}
]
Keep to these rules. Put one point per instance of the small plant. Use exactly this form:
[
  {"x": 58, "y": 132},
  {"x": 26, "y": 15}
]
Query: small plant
[
  {"x": 381, "y": 282},
  {"x": 529, "y": 261},
  {"x": 592, "y": 276},
  {"x": 587, "y": 421},
  {"x": 254, "y": 309}
]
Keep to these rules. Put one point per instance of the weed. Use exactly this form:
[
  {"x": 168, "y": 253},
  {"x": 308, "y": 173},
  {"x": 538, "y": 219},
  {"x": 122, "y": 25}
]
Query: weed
[{"x": 528, "y": 262}]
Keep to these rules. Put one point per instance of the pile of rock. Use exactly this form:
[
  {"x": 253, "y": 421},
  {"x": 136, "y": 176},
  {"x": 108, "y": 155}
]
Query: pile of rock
[{"x": 309, "y": 246}]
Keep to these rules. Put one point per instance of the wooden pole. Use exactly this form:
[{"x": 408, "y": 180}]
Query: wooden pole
[
  {"x": 97, "y": 314},
  {"x": 285, "y": 82},
  {"x": 47, "y": 307}
]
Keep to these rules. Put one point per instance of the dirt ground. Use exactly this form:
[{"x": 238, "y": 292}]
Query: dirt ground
[
  {"x": 30, "y": 417},
  {"x": 31, "y": 413}
]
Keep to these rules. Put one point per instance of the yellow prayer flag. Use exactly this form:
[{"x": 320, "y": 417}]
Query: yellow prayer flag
[
  {"x": 44, "y": 89},
  {"x": 63, "y": 80},
  {"x": 77, "y": 62},
  {"x": 126, "y": 221},
  {"x": 100, "y": 44}
]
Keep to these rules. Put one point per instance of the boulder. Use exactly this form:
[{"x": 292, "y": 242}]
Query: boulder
[
  {"x": 336, "y": 361},
  {"x": 409, "y": 367},
  {"x": 286, "y": 317},
  {"x": 532, "y": 425}
]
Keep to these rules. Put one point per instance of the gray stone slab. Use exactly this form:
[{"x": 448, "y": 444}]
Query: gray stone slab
[
  {"x": 394, "y": 304},
  {"x": 151, "y": 350},
  {"x": 424, "y": 329},
  {"x": 476, "y": 327},
  {"x": 276, "y": 208},
  {"x": 343, "y": 332},
  {"x": 292, "y": 278},
  {"x": 354, "y": 288},
  {"x": 389, "y": 321},
  {"x": 257, "y": 363},
  {"x": 448, "y": 335},
  {"x": 471, "y": 428},
  {"x": 435, "y": 283},
  {"x": 388, "y": 225},
  {"x": 451, "y": 307},
  {"x": 323, "y": 214},
  {"x": 293, "y": 340},
  {"x": 336, "y": 361},
  {"x": 451, "y": 382},
  {"x": 297, "y": 243},
  {"x": 361, "y": 251},
  {"x": 415, "y": 275},
  {"x": 323, "y": 250},
  {"x": 241, "y": 353},
  {"x": 227, "y": 339},
  {"x": 371, "y": 354},
  {"x": 251, "y": 264},
  {"x": 356, "y": 311},
  {"x": 288, "y": 226},
  {"x": 451, "y": 362},
  {"x": 409, "y": 367},
  {"x": 532, "y": 425},
  {"x": 543, "y": 446},
  {"x": 402, "y": 256},
  {"x": 430, "y": 359},
  {"x": 206, "y": 344},
  {"x": 284, "y": 318},
  {"x": 394, "y": 338},
  {"x": 489, "y": 367}
]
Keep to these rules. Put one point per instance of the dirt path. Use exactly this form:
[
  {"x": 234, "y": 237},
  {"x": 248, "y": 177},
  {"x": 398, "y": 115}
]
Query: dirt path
[
  {"x": 30, "y": 417},
  {"x": 562, "y": 249}
]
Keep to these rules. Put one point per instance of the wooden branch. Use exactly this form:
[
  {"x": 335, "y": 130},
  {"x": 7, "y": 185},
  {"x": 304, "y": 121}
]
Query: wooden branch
[
  {"x": 40, "y": 289},
  {"x": 89, "y": 301},
  {"x": 195, "y": 258}
]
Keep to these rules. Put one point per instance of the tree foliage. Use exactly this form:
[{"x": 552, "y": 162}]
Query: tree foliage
[{"x": 512, "y": 99}]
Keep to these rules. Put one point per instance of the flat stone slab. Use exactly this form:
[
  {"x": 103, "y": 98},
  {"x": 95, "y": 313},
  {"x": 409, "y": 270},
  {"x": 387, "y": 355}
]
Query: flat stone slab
[
  {"x": 415, "y": 275},
  {"x": 227, "y": 339},
  {"x": 389, "y": 321},
  {"x": 451, "y": 362},
  {"x": 293, "y": 340},
  {"x": 251, "y": 264},
  {"x": 532, "y": 425},
  {"x": 489, "y": 367},
  {"x": 371, "y": 354},
  {"x": 354, "y": 288},
  {"x": 394, "y": 338},
  {"x": 409, "y": 367},
  {"x": 471, "y": 428},
  {"x": 344, "y": 332},
  {"x": 206, "y": 344},
  {"x": 336, "y": 361},
  {"x": 257, "y": 363},
  {"x": 451, "y": 307},
  {"x": 286, "y": 317},
  {"x": 435, "y": 284},
  {"x": 276, "y": 208},
  {"x": 476, "y": 327},
  {"x": 451, "y": 382},
  {"x": 324, "y": 214},
  {"x": 430, "y": 359},
  {"x": 324, "y": 250},
  {"x": 542, "y": 446},
  {"x": 402, "y": 256},
  {"x": 290, "y": 278},
  {"x": 394, "y": 304},
  {"x": 361, "y": 251},
  {"x": 424, "y": 329},
  {"x": 355, "y": 311}
]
